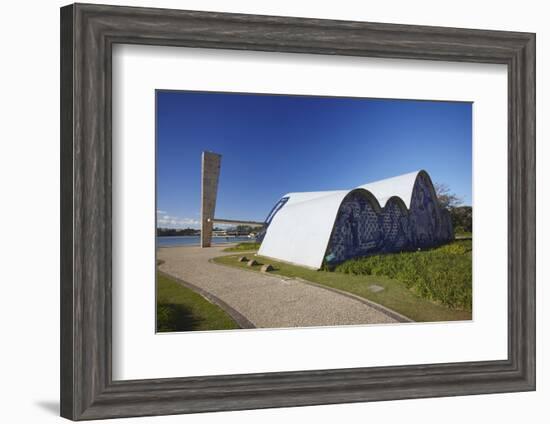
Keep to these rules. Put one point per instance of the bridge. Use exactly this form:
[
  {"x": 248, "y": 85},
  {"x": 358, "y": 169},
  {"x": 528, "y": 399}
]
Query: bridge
[{"x": 236, "y": 222}]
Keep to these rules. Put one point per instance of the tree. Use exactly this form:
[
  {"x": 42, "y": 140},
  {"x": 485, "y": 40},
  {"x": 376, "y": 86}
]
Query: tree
[
  {"x": 446, "y": 198},
  {"x": 461, "y": 216}
]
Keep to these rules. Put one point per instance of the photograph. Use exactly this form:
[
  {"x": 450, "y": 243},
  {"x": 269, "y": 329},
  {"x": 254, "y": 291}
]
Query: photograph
[{"x": 292, "y": 211}]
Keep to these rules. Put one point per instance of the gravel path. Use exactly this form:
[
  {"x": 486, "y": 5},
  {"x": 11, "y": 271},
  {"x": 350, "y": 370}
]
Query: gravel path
[{"x": 267, "y": 301}]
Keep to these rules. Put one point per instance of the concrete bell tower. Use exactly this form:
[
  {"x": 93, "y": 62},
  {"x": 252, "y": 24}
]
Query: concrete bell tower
[{"x": 210, "y": 174}]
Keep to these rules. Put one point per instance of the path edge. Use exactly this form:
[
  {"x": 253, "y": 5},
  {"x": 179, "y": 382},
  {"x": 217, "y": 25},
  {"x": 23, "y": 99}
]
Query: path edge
[
  {"x": 381, "y": 308},
  {"x": 239, "y": 318}
]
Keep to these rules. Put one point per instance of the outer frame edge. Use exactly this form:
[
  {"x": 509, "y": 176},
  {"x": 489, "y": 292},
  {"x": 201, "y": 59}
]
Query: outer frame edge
[{"x": 101, "y": 401}]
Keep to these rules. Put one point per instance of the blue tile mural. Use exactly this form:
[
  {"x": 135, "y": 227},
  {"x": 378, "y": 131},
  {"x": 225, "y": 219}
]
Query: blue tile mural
[{"x": 362, "y": 228}]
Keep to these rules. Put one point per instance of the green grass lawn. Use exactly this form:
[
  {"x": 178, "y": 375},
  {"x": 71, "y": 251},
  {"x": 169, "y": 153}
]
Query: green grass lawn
[
  {"x": 396, "y": 295},
  {"x": 241, "y": 247},
  {"x": 442, "y": 274},
  {"x": 181, "y": 309}
]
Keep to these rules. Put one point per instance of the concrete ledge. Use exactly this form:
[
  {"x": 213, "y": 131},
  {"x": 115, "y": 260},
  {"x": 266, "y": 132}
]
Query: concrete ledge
[{"x": 266, "y": 268}]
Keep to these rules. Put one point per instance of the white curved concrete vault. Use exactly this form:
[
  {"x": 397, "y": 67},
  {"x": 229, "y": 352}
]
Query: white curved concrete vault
[{"x": 395, "y": 214}]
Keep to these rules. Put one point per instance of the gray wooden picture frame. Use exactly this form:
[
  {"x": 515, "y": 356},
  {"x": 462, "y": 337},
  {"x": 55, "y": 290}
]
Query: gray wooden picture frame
[{"x": 88, "y": 33}]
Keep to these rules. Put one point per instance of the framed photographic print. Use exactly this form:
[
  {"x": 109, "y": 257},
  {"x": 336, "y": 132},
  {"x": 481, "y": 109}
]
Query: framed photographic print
[{"x": 269, "y": 211}]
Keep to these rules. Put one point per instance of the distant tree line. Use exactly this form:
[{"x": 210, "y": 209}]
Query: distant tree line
[
  {"x": 178, "y": 232},
  {"x": 247, "y": 229},
  {"x": 243, "y": 229}
]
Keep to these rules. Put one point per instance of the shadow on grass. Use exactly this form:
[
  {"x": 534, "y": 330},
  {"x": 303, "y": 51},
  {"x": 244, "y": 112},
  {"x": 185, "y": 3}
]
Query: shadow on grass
[{"x": 175, "y": 317}]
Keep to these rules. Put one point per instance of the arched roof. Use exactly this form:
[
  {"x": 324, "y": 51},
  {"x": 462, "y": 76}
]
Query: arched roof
[
  {"x": 300, "y": 231},
  {"x": 400, "y": 186}
]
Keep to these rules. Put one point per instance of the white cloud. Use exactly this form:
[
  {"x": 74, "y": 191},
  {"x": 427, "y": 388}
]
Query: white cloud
[{"x": 169, "y": 221}]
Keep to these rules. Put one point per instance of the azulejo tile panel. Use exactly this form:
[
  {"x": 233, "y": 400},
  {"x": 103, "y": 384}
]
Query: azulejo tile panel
[{"x": 363, "y": 228}]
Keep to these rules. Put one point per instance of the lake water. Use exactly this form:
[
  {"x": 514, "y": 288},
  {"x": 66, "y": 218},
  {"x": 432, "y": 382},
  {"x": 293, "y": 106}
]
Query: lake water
[{"x": 167, "y": 241}]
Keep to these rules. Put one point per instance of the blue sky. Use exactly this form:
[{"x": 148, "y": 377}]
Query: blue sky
[{"x": 272, "y": 145}]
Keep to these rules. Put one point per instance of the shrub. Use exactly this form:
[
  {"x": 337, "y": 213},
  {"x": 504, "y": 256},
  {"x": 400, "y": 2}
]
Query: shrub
[
  {"x": 455, "y": 249},
  {"x": 443, "y": 275}
]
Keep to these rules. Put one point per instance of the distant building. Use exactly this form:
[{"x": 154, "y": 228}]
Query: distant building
[{"x": 396, "y": 214}]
